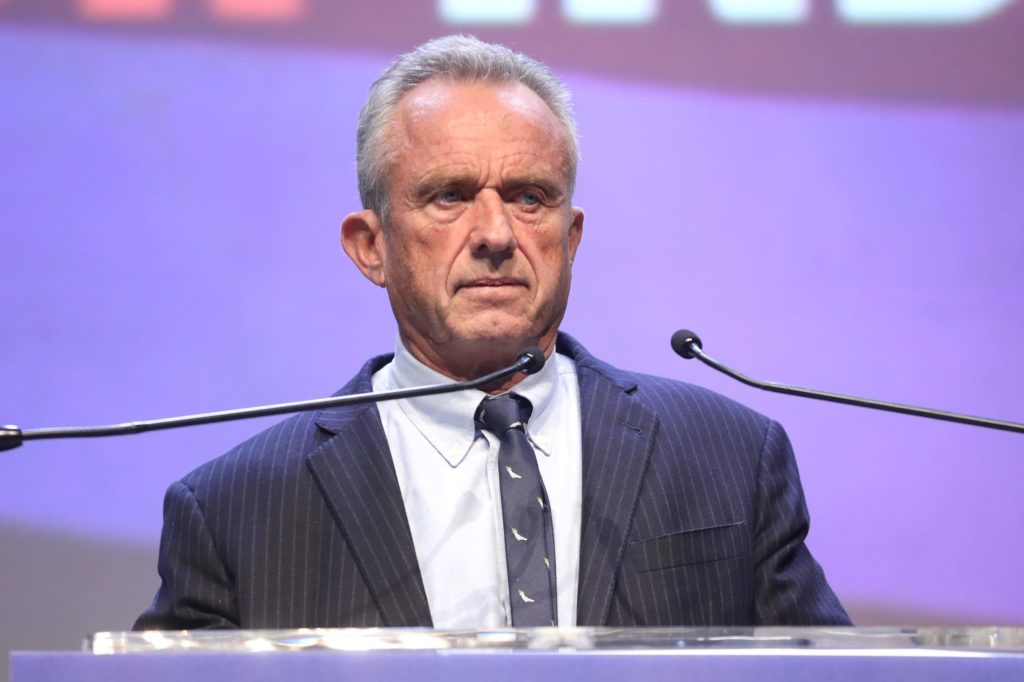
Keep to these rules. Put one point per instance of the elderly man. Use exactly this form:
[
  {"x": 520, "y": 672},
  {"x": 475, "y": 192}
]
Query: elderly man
[{"x": 582, "y": 494}]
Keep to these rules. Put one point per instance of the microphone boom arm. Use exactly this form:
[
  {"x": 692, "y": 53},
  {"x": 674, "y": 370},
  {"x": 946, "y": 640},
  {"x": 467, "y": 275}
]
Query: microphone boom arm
[
  {"x": 688, "y": 345},
  {"x": 529, "y": 361}
]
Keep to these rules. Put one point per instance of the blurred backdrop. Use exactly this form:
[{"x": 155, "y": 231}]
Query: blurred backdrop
[{"x": 830, "y": 193}]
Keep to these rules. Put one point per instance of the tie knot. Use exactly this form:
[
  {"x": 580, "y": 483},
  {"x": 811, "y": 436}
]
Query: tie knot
[{"x": 503, "y": 412}]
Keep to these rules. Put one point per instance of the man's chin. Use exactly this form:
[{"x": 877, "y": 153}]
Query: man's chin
[
  {"x": 496, "y": 342},
  {"x": 505, "y": 341}
]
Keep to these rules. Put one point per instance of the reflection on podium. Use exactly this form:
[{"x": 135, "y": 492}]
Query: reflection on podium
[{"x": 591, "y": 654}]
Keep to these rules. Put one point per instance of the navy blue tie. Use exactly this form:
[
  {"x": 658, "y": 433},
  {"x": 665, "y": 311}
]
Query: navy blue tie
[{"x": 525, "y": 513}]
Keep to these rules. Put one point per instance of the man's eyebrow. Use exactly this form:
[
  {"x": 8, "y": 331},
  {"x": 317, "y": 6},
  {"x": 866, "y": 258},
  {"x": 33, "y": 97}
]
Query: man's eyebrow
[
  {"x": 552, "y": 188},
  {"x": 430, "y": 184}
]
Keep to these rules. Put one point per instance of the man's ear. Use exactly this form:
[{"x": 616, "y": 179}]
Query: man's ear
[
  {"x": 362, "y": 237},
  {"x": 575, "y": 232}
]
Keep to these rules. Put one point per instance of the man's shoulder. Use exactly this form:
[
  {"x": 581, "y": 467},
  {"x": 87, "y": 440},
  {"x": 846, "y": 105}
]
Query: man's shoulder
[
  {"x": 281, "y": 449},
  {"x": 270, "y": 449},
  {"x": 690, "y": 404},
  {"x": 667, "y": 398}
]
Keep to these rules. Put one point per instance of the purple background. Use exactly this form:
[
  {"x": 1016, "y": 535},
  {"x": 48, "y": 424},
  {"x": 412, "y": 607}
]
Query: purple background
[{"x": 846, "y": 213}]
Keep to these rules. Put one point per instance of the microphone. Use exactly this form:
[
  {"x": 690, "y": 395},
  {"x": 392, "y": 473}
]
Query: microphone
[
  {"x": 688, "y": 345},
  {"x": 529, "y": 361}
]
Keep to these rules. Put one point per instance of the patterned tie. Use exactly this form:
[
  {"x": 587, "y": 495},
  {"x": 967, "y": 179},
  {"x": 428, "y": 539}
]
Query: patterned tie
[{"x": 525, "y": 513}]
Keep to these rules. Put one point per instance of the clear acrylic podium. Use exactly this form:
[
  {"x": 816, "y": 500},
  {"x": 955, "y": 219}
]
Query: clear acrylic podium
[{"x": 566, "y": 655}]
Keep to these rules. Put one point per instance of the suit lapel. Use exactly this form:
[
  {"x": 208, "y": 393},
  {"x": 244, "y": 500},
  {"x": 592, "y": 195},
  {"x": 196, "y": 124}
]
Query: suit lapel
[
  {"x": 357, "y": 477},
  {"x": 618, "y": 436}
]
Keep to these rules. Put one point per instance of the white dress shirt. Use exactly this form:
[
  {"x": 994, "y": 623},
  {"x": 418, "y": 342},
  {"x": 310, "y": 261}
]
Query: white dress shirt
[{"x": 448, "y": 474}]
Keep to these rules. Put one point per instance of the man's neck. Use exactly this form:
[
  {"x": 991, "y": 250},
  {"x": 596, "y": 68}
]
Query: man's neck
[{"x": 468, "y": 364}]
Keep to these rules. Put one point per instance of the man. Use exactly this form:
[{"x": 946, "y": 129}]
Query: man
[{"x": 580, "y": 495}]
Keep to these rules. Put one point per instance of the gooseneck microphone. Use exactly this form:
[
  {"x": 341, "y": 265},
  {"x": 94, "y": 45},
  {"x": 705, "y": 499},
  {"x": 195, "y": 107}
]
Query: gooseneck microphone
[
  {"x": 689, "y": 346},
  {"x": 529, "y": 361}
]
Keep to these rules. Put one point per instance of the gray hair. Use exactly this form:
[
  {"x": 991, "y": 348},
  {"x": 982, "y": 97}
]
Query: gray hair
[{"x": 461, "y": 59}]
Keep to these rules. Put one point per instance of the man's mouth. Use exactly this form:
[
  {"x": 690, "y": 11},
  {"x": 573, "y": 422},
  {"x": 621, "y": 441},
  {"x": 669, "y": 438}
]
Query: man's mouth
[{"x": 494, "y": 282}]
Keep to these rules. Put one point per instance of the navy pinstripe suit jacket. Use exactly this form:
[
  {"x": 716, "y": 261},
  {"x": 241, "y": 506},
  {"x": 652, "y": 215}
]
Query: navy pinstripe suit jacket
[{"x": 693, "y": 514}]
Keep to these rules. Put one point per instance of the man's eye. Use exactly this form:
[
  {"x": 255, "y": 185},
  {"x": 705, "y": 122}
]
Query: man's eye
[
  {"x": 530, "y": 198},
  {"x": 449, "y": 196}
]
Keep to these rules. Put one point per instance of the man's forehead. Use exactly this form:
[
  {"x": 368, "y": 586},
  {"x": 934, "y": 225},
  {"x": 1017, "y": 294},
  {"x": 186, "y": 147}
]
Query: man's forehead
[
  {"x": 440, "y": 99},
  {"x": 446, "y": 123}
]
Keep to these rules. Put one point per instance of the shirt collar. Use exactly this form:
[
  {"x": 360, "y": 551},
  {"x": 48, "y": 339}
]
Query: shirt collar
[{"x": 447, "y": 420}]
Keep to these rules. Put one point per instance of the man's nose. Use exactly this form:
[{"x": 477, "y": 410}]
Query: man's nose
[{"x": 492, "y": 225}]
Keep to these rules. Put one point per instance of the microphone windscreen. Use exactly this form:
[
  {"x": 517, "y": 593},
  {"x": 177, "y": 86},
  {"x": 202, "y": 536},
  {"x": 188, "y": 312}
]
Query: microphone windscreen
[
  {"x": 681, "y": 341},
  {"x": 533, "y": 357}
]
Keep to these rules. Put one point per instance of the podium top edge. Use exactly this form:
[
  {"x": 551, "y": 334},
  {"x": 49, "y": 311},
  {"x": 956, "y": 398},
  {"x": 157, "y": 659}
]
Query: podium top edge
[{"x": 965, "y": 641}]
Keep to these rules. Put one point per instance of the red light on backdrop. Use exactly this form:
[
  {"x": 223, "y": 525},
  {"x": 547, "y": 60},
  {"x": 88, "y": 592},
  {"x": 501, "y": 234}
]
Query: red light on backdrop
[
  {"x": 257, "y": 10},
  {"x": 151, "y": 10},
  {"x": 123, "y": 10}
]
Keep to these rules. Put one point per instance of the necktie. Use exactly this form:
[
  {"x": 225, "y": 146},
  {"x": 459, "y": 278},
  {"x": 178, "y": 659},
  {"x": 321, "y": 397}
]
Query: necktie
[{"x": 525, "y": 513}]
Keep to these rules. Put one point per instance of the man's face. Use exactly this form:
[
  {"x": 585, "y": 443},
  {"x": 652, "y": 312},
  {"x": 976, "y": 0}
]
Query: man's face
[{"x": 477, "y": 252}]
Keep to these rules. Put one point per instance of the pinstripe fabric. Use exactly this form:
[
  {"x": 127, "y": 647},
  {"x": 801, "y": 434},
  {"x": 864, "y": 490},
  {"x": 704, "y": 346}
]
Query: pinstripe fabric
[
  {"x": 301, "y": 526},
  {"x": 692, "y": 515}
]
